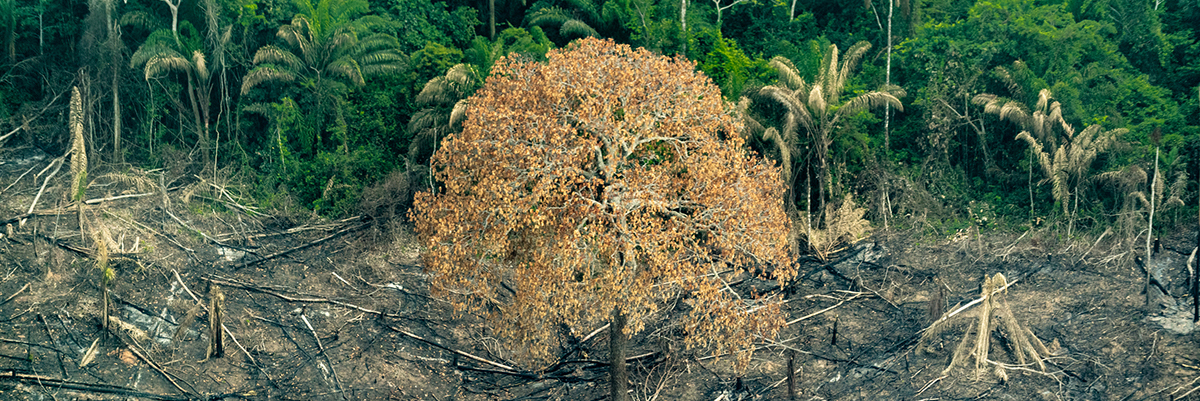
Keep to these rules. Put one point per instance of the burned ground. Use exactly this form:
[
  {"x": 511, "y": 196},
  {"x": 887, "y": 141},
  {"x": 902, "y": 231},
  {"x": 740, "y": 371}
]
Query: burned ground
[{"x": 324, "y": 310}]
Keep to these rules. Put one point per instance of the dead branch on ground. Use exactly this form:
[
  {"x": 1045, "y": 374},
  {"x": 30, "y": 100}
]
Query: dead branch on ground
[
  {"x": 87, "y": 387},
  {"x": 57, "y": 163},
  {"x": 15, "y": 294},
  {"x": 229, "y": 282},
  {"x": 301, "y": 247},
  {"x": 321, "y": 350}
]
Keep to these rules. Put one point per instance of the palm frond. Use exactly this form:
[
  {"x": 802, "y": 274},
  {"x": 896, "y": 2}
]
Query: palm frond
[
  {"x": 151, "y": 50},
  {"x": 347, "y": 68},
  {"x": 828, "y": 66},
  {"x": 785, "y": 152},
  {"x": 1060, "y": 178},
  {"x": 372, "y": 22},
  {"x": 789, "y": 75},
  {"x": 441, "y": 90},
  {"x": 741, "y": 111},
  {"x": 378, "y": 43},
  {"x": 1178, "y": 189},
  {"x": 200, "y": 65},
  {"x": 1036, "y": 147},
  {"x": 161, "y": 65},
  {"x": 339, "y": 45},
  {"x": 574, "y": 28},
  {"x": 816, "y": 101},
  {"x": 463, "y": 75},
  {"x": 1014, "y": 112},
  {"x": 459, "y": 113},
  {"x": 849, "y": 62},
  {"x": 984, "y": 99},
  {"x": 1010, "y": 82},
  {"x": 298, "y": 36},
  {"x": 381, "y": 70},
  {"x": 425, "y": 119},
  {"x": 140, "y": 19},
  {"x": 1043, "y": 99},
  {"x": 382, "y": 58},
  {"x": 868, "y": 101},
  {"x": 271, "y": 54},
  {"x": 552, "y": 15},
  {"x": 266, "y": 73},
  {"x": 1140, "y": 197}
]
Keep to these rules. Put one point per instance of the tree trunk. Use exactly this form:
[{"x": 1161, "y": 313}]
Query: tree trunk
[
  {"x": 887, "y": 107},
  {"x": 116, "y": 100},
  {"x": 11, "y": 36},
  {"x": 1150, "y": 229},
  {"x": 683, "y": 24},
  {"x": 618, "y": 377},
  {"x": 114, "y": 48},
  {"x": 201, "y": 126},
  {"x": 824, "y": 177},
  {"x": 491, "y": 19}
]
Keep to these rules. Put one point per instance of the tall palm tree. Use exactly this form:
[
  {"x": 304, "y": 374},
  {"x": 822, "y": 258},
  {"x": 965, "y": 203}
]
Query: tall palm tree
[
  {"x": 445, "y": 105},
  {"x": 1041, "y": 123},
  {"x": 323, "y": 53},
  {"x": 164, "y": 52},
  {"x": 578, "y": 19},
  {"x": 1069, "y": 166},
  {"x": 818, "y": 108}
]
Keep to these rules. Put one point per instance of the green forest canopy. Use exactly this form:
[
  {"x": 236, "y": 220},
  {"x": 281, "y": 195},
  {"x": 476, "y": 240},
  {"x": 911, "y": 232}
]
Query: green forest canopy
[{"x": 314, "y": 101}]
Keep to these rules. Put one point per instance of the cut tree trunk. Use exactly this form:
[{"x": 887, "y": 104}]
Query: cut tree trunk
[{"x": 618, "y": 377}]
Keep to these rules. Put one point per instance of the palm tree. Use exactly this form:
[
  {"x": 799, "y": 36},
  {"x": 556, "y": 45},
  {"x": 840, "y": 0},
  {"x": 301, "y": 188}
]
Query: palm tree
[
  {"x": 1068, "y": 168},
  {"x": 1046, "y": 116},
  {"x": 1040, "y": 123},
  {"x": 578, "y": 20},
  {"x": 163, "y": 53},
  {"x": 445, "y": 106},
  {"x": 817, "y": 107},
  {"x": 483, "y": 53},
  {"x": 324, "y": 55}
]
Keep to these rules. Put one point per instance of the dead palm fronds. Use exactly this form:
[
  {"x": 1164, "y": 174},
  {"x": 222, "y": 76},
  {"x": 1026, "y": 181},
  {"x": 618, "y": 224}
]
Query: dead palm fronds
[
  {"x": 992, "y": 314},
  {"x": 1046, "y": 116},
  {"x": 445, "y": 105},
  {"x": 1071, "y": 162},
  {"x": 1041, "y": 122},
  {"x": 844, "y": 225}
]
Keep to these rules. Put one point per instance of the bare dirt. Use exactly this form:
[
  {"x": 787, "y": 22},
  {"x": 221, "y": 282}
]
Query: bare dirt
[{"x": 346, "y": 314}]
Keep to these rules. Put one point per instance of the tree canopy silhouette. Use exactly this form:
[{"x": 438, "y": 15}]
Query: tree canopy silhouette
[{"x": 593, "y": 187}]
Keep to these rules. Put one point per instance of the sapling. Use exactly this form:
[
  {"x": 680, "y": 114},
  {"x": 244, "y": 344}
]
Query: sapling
[{"x": 1150, "y": 229}]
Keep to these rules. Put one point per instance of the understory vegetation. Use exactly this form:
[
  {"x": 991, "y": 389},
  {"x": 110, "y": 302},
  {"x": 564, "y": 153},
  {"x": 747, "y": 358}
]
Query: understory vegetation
[{"x": 1006, "y": 113}]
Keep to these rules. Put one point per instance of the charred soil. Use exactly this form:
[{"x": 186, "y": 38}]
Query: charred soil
[{"x": 324, "y": 310}]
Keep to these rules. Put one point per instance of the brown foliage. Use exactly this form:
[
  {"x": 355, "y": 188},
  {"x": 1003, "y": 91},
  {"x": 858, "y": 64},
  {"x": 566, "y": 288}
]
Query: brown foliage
[{"x": 602, "y": 180}]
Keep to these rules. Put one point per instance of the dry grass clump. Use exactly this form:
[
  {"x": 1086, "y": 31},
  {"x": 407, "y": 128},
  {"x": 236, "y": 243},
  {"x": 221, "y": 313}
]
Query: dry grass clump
[
  {"x": 992, "y": 313},
  {"x": 843, "y": 225},
  {"x": 388, "y": 199}
]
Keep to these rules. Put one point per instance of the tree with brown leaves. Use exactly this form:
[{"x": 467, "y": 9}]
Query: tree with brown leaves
[{"x": 593, "y": 187}]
